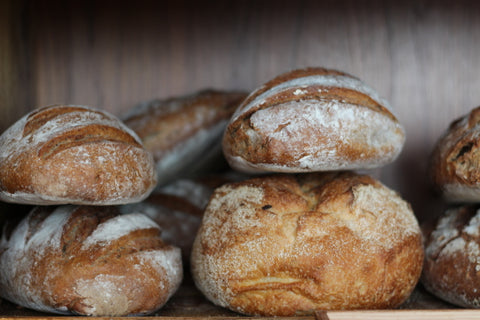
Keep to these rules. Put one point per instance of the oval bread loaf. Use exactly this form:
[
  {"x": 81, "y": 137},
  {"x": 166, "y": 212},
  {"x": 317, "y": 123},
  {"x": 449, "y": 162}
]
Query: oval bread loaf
[
  {"x": 88, "y": 260},
  {"x": 312, "y": 120},
  {"x": 73, "y": 155},
  {"x": 184, "y": 133},
  {"x": 452, "y": 257},
  {"x": 455, "y": 161},
  {"x": 286, "y": 245}
]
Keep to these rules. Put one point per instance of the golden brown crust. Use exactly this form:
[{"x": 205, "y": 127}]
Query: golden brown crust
[
  {"x": 312, "y": 120},
  {"x": 92, "y": 262},
  {"x": 285, "y": 245},
  {"x": 452, "y": 257},
  {"x": 73, "y": 154},
  {"x": 183, "y": 133},
  {"x": 455, "y": 161}
]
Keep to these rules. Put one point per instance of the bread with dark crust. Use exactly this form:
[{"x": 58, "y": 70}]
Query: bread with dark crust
[
  {"x": 287, "y": 245},
  {"x": 452, "y": 257},
  {"x": 184, "y": 133},
  {"x": 312, "y": 119},
  {"x": 455, "y": 161},
  {"x": 88, "y": 260},
  {"x": 73, "y": 155}
]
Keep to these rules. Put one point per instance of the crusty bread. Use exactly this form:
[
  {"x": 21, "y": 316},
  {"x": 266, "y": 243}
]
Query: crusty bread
[
  {"x": 184, "y": 133},
  {"x": 73, "y": 155},
  {"x": 452, "y": 257},
  {"x": 283, "y": 245},
  {"x": 455, "y": 161},
  {"x": 88, "y": 260},
  {"x": 312, "y": 120}
]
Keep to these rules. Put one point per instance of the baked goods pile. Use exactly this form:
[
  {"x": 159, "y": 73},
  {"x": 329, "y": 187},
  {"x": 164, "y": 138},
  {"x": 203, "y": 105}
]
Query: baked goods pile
[
  {"x": 124, "y": 207},
  {"x": 452, "y": 242},
  {"x": 75, "y": 253}
]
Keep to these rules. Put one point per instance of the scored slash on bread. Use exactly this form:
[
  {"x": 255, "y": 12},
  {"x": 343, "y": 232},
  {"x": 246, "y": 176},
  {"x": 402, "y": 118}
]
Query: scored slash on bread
[
  {"x": 312, "y": 120},
  {"x": 88, "y": 260},
  {"x": 455, "y": 161},
  {"x": 76, "y": 155},
  {"x": 184, "y": 133}
]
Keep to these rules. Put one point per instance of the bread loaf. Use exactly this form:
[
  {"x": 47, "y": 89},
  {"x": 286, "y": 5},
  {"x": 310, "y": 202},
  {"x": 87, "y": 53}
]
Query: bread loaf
[
  {"x": 88, "y": 260},
  {"x": 287, "y": 245},
  {"x": 312, "y": 120},
  {"x": 73, "y": 155},
  {"x": 455, "y": 160},
  {"x": 184, "y": 132},
  {"x": 452, "y": 257}
]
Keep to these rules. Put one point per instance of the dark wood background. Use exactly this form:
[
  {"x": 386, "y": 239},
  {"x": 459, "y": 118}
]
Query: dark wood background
[{"x": 423, "y": 56}]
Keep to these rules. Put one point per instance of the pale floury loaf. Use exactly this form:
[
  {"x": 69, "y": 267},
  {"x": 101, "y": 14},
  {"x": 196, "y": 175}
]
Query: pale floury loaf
[
  {"x": 73, "y": 155},
  {"x": 88, "y": 260},
  {"x": 286, "y": 245},
  {"x": 313, "y": 120}
]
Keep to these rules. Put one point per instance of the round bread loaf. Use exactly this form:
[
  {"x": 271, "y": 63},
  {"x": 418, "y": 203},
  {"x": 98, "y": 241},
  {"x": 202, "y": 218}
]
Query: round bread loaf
[
  {"x": 452, "y": 257},
  {"x": 312, "y": 120},
  {"x": 184, "y": 133},
  {"x": 285, "y": 245},
  {"x": 88, "y": 260},
  {"x": 455, "y": 160},
  {"x": 73, "y": 155}
]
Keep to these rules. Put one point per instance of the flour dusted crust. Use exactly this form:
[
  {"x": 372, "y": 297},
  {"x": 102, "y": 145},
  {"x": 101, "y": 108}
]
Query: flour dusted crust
[
  {"x": 184, "y": 132},
  {"x": 284, "y": 245},
  {"x": 73, "y": 154},
  {"x": 312, "y": 120},
  {"x": 455, "y": 160},
  {"x": 452, "y": 257},
  {"x": 88, "y": 260}
]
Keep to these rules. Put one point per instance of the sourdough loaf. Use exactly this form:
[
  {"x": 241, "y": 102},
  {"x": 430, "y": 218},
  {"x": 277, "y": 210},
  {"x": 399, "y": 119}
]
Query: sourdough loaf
[
  {"x": 455, "y": 161},
  {"x": 452, "y": 257},
  {"x": 88, "y": 260},
  {"x": 184, "y": 132},
  {"x": 286, "y": 245},
  {"x": 73, "y": 155},
  {"x": 312, "y": 120}
]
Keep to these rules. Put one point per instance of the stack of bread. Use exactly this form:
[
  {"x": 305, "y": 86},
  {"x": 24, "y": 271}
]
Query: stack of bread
[
  {"x": 75, "y": 253},
  {"x": 452, "y": 242},
  {"x": 117, "y": 202},
  {"x": 121, "y": 207},
  {"x": 308, "y": 233}
]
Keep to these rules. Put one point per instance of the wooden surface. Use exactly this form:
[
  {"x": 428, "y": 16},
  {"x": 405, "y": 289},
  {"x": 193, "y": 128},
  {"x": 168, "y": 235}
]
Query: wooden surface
[{"x": 423, "y": 56}]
